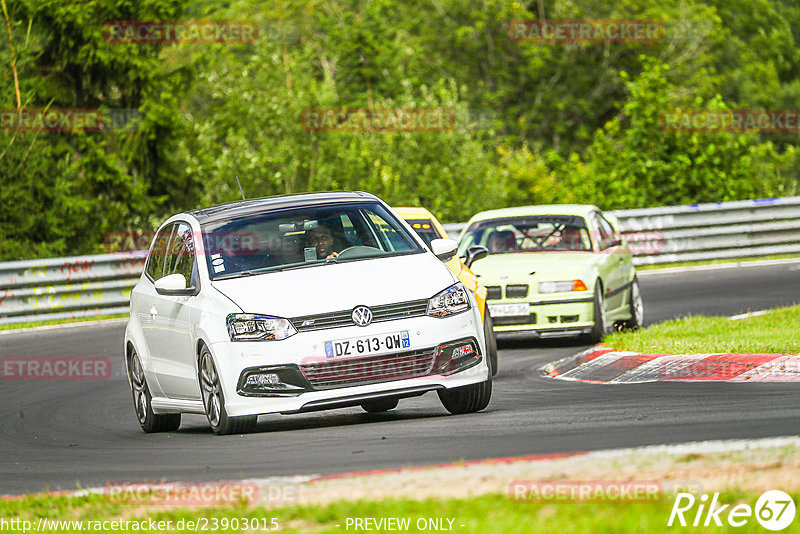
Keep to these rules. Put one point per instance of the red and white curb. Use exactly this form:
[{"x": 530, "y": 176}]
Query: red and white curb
[{"x": 607, "y": 366}]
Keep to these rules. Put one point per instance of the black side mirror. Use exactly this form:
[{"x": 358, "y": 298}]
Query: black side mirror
[{"x": 475, "y": 253}]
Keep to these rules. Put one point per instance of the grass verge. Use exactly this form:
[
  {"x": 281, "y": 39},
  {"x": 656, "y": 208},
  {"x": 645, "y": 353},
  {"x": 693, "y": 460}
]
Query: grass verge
[
  {"x": 18, "y": 326},
  {"x": 716, "y": 262},
  {"x": 773, "y": 332},
  {"x": 483, "y": 514}
]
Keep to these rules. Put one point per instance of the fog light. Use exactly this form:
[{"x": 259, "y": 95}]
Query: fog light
[
  {"x": 263, "y": 379},
  {"x": 462, "y": 351},
  {"x": 455, "y": 357},
  {"x": 266, "y": 381}
]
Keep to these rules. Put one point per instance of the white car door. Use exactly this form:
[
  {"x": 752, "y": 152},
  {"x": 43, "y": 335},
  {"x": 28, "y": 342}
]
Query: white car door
[{"x": 172, "y": 331}]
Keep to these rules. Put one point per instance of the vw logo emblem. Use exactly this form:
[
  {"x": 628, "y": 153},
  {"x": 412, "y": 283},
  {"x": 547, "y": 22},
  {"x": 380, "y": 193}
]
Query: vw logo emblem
[{"x": 362, "y": 315}]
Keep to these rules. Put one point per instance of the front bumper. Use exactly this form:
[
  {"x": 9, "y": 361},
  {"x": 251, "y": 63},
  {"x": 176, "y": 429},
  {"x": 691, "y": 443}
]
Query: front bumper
[
  {"x": 557, "y": 317},
  {"x": 301, "y": 362}
]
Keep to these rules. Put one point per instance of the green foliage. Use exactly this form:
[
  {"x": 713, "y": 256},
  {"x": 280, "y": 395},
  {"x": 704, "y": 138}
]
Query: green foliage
[
  {"x": 535, "y": 123},
  {"x": 633, "y": 162}
]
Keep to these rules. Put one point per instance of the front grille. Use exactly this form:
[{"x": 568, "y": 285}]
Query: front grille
[
  {"x": 517, "y": 291},
  {"x": 494, "y": 292},
  {"x": 370, "y": 370},
  {"x": 506, "y": 321},
  {"x": 386, "y": 312}
]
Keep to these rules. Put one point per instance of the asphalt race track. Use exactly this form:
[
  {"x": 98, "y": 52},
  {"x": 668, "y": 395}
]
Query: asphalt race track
[{"x": 65, "y": 434}]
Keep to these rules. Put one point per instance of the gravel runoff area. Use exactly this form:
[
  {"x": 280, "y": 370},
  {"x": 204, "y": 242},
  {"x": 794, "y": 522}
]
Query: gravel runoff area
[{"x": 700, "y": 467}]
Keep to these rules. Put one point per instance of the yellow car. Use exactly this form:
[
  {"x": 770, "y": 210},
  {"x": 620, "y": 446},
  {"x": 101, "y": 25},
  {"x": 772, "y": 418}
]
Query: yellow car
[{"x": 425, "y": 224}]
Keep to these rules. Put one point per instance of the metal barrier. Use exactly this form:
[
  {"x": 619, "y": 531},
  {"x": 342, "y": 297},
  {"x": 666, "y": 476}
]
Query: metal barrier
[
  {"x": 62, "y": 288},
  {"x": 84, "y": 286}
]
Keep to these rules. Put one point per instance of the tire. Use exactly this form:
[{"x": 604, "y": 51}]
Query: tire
[
  {"x": 214, "y": 400},
  {"x": 636, "y": 307},
  {"x": 379, "y": 405},
  {"x": 600, "y": 327},
  {"x": 491, "y": 340},
  {"x": 143, "y": 401},
  {"x": 467, "y": 399}
]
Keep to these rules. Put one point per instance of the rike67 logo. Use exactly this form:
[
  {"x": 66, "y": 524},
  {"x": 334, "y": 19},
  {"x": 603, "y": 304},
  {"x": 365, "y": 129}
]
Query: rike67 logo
[{"x": 774, "y": 510}]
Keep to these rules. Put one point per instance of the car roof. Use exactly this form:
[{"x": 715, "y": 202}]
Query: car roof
[
  {"x": 420, "y": 213},
  {"x": 243, "y": 208},
  {"x": 414, "y": 213},
  {"x": 544, "y": 209}
]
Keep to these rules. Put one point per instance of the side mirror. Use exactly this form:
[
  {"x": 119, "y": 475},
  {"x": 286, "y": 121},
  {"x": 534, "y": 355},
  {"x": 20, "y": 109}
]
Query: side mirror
[
  {"x": 614, "y": 243},
  {"x": 444, "y": 249},
  {"x": 475, "y": 253},
  {"x": 173, "y": 285}
]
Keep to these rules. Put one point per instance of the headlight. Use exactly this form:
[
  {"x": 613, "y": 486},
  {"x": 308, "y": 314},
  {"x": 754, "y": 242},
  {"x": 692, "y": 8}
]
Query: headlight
[
  {"x": 562, "y": 287},
  {"x": 249, "y": 327},
  {"x": 452, "y": 300}
]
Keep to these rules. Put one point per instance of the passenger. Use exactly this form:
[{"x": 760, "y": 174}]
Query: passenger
[{"x": 291, "y": 250}]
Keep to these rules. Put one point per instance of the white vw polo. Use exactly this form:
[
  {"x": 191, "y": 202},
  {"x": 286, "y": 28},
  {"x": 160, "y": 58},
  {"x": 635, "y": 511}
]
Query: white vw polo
[{"x": 298, "y": 303}]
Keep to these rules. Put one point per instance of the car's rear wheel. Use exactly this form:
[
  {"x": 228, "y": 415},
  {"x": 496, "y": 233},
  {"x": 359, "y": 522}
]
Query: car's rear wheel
[
  {"x": 636, "y": 307},
  {"x": 600, "y": 327},
  {"x": 491, "y": 340},
  {"x": 467, "y": 399},
  {"x": 142, "y": 401},
  {"x": 214, "y": 401},
  {"x": 379, "y": 405}
]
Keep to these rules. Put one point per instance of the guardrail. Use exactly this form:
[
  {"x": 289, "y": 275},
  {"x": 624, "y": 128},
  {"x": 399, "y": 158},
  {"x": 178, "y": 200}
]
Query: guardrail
[
  {"x": 85, "y": 286},
  {"x": 62, "y": 288}
]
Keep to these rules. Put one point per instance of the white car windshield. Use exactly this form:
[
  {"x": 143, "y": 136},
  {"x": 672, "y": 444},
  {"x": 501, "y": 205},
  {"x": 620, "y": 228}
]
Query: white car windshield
[
  {"x": 541, "y": 233},
  {"x": 303, "y": 237}
]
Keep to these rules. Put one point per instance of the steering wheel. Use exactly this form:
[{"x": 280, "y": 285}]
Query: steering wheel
[{"x": 359, "y": 250}]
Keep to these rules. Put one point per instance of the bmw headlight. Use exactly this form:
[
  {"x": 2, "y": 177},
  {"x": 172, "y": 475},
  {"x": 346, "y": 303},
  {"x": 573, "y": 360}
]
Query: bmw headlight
[
  {"x": 452, "y": 300},
  {"x": 562, "y": 286},
  {"x": 250, "y": 327}
]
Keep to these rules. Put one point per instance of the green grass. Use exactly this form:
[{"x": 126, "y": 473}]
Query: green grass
[
  {"x": 774, "y": 332},
  {"x": 716, "y": 262},
  {"x": 483, "y": 514},
  {"x": 17, "y": 326}
]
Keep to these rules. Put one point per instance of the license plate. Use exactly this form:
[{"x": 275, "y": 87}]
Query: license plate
[
  {"x": 363, "y": 346},
  {"x": 509, "y": 310}
]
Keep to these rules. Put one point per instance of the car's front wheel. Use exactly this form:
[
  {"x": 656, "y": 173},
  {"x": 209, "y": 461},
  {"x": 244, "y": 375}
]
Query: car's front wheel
[
  {"x": 214, "y": 401},
  {"x": 467, "y": 399},
  {"x": 142, "y": 401}
]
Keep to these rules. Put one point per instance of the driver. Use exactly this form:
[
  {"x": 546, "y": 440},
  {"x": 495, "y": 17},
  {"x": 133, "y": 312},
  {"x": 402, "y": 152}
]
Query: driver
[
  {"x": 321, "y": 238},
  {"x": 502, "y": 241}
]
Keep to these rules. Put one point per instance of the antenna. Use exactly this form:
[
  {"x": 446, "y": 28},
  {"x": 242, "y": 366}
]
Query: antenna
[{"x": 240, "y": 187}]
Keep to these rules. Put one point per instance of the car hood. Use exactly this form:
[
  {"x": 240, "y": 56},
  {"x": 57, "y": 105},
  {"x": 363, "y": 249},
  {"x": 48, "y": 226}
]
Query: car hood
[
  {"x": 522, "y": 266},
  {"x": 334, "y": 287}
]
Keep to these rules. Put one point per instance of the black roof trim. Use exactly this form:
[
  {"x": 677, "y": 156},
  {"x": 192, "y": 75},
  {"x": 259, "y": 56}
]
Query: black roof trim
[{"x": 258, "y": 205}]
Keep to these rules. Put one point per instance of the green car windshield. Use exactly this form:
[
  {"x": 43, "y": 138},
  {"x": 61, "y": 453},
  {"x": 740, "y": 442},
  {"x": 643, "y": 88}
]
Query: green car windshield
[{"x": 540, "y": 233}]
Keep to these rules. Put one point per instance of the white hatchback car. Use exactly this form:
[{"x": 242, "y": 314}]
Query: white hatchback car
[{"x": 294, "y": 304}]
